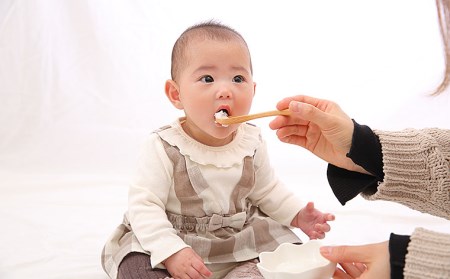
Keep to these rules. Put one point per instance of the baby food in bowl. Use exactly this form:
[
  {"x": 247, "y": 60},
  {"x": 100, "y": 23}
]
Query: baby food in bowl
[{"x": 290, "y": 261}]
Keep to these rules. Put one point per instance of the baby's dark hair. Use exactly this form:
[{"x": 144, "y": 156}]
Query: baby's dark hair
[{"x": 209, "y": 30}]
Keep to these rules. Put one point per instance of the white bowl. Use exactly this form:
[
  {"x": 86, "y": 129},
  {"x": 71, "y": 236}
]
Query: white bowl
[{"x": 290, "y": 261}]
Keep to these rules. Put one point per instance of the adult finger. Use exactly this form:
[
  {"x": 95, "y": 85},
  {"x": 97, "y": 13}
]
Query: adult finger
[
  {"x": 351, "y": 269},
  {"x": 297, "y": 130},
  {"x": 362, "y": 267},
  {"x": 300, "y": 141},
  {"x": 345, "y": 254},
  {"x": 340, "y": 274},
  {"x": 310, "y": 113},
  {"x": 284, "y": 121},
  {"x": 284, "y": 103}
]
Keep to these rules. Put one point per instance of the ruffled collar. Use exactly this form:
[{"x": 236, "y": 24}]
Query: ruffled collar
[{"x": 245, "y": 142}]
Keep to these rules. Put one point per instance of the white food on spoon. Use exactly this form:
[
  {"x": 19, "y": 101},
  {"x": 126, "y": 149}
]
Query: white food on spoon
[{"x": 221, "y": 114}]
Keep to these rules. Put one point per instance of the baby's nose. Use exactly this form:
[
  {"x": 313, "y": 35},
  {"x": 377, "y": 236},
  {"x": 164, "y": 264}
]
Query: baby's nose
[{"x": 224, "y": 94}]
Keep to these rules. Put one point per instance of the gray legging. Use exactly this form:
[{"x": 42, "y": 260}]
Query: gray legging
[{"x": 137, "y": 266}]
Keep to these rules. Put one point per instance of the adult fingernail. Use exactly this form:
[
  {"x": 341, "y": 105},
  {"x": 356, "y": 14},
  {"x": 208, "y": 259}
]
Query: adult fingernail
[
  {"x": 294, "y": 106},
  {"x": 326, "y": 250}
]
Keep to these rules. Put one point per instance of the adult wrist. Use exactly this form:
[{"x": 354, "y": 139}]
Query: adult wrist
[{"x": 365, "y": 150}]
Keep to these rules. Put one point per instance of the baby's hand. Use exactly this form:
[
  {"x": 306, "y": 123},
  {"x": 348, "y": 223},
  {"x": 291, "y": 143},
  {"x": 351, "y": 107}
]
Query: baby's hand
[
  {"x": 187, "y": 264},
  {"x": 312, "y": 222}
]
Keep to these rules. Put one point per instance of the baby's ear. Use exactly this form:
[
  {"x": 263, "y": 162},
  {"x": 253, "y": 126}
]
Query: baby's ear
[{"x": 173, "y": 93}]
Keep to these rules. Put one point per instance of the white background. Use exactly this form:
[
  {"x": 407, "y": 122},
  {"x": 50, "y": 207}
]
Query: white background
[{"x": 82, "y": 85}]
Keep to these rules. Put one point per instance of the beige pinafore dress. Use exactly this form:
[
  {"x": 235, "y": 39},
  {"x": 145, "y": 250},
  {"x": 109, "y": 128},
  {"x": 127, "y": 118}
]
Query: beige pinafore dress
[{"x": 221, "y": 240}]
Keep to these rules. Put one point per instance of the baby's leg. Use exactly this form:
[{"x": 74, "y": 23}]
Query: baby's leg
[
  {"x": 245, "y": 270},
  {"x": 137, "y": 266}
]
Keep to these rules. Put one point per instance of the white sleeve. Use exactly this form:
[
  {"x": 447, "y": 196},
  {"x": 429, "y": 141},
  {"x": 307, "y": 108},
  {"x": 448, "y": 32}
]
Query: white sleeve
[{"x": 147, "y": 198}]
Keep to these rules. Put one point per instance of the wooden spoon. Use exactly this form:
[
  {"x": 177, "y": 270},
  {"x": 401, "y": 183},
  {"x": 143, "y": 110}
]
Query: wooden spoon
[{"x": 244, "y": 118}]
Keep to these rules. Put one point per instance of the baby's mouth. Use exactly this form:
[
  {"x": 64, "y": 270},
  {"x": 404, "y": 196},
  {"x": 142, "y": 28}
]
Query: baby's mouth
[{"x": 221, "y": 114}]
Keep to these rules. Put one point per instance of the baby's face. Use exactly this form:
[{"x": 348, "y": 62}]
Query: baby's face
[{"x": 217, "y": 77}]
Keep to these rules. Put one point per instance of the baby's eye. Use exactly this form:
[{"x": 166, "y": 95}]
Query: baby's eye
[
  {"x": 238, "y": 79},
  {"x": 207, "y": 79}
]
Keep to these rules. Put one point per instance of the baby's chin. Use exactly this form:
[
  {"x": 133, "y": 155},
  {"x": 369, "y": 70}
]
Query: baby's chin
[{"x": 220, "y": 136}]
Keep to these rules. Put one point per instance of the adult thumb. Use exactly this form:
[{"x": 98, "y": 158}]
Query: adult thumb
[{"x": 344, "y": 254}]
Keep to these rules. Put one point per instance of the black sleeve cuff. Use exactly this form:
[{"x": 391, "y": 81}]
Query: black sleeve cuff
[
  {"x": 366, "y": 150},
  {"x": 398, "y": 248},
  {"x": 348, "y": 184}
]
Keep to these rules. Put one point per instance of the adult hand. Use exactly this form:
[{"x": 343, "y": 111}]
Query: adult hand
[
  {"x": 319, "y": 126},
  {"x": 186, "y": 264},
  {"x": 367, "y": 261},
  {"x": 312, "y": 222}
]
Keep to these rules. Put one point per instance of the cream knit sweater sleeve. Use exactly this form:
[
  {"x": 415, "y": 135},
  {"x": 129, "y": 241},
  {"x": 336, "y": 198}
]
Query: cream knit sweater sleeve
[{"x": 417, "y": 174}]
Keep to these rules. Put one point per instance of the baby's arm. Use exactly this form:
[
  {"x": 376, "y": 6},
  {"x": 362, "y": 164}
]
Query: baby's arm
[
  {"x": 186, "y": 262},
  {"x": 148, "y": 202},
  {"x": 312, "y": 222},
  {"x": 281, "y": 204}
]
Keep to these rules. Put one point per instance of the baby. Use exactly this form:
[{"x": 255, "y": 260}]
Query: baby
[{"x": 206, "y": 200}]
